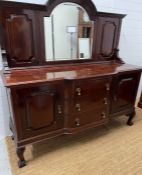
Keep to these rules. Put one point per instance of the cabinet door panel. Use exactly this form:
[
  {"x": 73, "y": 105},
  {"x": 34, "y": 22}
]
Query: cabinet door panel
[
  {"x": 40, "y": 110},
  {"x": 124, "y": 91}
]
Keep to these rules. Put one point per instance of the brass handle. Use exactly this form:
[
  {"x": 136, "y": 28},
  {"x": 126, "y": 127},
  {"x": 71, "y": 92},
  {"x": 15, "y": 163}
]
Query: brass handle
[
  {"x": 59, "y": 109},
  {"x": 78, "y": 90},
  {"x": 107, "y": 87},
  {"x": 103, "y": 115},
  {"x": 105, "y": 101},
  {"x": 78, "y": 107},
  {"x": 77, "y": 120}
]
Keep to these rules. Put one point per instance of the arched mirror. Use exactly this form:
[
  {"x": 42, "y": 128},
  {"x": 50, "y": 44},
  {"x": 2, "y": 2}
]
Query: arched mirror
[{"x": 68, "y": 33}]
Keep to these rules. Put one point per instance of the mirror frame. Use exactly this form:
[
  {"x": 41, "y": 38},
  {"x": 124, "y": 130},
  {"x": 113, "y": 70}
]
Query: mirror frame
[{"x": 91, "y": 10}]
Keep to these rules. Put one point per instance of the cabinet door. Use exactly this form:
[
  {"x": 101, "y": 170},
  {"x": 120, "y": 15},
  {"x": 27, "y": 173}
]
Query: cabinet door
[
  {"x": 107, "y": 38},
  {"x": 124, "y": 90},
  {"x": 38, "y": 110}
]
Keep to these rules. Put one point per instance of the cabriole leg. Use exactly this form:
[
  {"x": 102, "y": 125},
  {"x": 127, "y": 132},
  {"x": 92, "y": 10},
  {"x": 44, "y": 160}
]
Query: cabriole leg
[
  {"x": 131, "y": 116},
  {"x": 12, "y": 137},
  {"x": 20, "y": 154}
]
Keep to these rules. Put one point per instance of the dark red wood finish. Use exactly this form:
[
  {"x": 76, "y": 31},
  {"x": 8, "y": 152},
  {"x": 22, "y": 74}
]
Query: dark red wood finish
[
  {"x": 108, "y": 29},
  {"x": 48, "y": 99},
  {"x": 68, "y": 99}
]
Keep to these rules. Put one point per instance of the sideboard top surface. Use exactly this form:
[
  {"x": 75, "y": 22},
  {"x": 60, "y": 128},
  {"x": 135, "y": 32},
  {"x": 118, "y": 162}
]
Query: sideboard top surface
[{"x": 44, "y": 74}]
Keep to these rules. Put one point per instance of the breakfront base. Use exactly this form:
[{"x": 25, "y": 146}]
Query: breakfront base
[{"x": 20, "y": 150}]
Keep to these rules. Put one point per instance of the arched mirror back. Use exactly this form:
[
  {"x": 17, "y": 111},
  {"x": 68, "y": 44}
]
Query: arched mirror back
[{"x": 68, "y": 31}]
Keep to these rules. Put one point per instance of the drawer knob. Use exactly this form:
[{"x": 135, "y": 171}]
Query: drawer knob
[
  {"x": 78, "y": 90},
  {"x": 115, "y": 98},
  {"x": 78, "y": 107},
  {"x": 103, "y": 115},
  {"x": 105, "y": 101},
  {"x": 107, "y": 87},
  {"x": 77, "y": 121},
  {"x": 59, "y": 109}
]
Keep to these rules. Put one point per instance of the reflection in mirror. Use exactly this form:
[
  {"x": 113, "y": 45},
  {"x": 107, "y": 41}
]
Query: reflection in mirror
[{"x": 68, "y": 33}]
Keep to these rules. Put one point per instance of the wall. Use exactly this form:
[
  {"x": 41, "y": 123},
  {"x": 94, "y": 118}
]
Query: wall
[
  {"x": 4, "y": 110},
  {"x": 130, "y": 43}
]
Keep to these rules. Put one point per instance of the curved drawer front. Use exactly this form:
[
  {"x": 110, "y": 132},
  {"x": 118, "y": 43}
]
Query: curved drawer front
[
  {"x": 96, "y": 116},
  {"x": 88, "y": 103},
  {"x": 91, "y": 87}
]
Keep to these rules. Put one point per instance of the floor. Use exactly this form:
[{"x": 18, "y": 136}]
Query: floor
[
  {"x": 115, "y": 150},
  {"x": 4, "y": 131},
  {"x": 4, "y": 162}
]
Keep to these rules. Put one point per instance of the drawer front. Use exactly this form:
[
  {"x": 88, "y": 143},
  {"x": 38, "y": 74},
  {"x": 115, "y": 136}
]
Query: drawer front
[
  {"x": 93, "y": 116},
  {"x": 90, "y": 103},
  {"x": 87, "y": 103},
  {"x": 91, "y": 87}
]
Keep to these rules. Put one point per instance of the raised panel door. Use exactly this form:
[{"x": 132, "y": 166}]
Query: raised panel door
[
  {"x": 124, "y": 91},
  {"x": 38, "y": 110}
]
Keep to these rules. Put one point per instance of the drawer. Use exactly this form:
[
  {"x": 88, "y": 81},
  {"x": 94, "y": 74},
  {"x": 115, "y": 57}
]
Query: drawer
[
  {"x": 87, "y": 103},
  {"x": 96, "y": 116},
  {"x": 91, "y": 87}
]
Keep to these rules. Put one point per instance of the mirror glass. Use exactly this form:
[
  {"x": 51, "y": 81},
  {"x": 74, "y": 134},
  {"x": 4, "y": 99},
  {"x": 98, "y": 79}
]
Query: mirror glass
[{"x": 68, "y": 33}]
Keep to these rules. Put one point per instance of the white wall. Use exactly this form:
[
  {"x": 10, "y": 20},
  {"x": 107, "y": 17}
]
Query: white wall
[
  {"x": 130, "y": 42},
  {"x": 4, "y": 110}
]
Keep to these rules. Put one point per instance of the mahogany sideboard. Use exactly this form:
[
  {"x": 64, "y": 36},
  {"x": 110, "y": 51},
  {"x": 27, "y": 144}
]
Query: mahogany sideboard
[{"x": 51, "y": 98}]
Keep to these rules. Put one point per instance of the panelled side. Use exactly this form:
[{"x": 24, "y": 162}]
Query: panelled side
[
  {"x": 108, "y": 31},
  {"x": 20, "y": 37}
]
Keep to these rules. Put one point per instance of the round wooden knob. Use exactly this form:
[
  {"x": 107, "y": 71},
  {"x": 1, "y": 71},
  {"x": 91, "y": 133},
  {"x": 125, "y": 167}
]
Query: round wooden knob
[
  {"x": 103, "y": 115},
  {"x": 78, "y": 107},
  {"x": 105, "y": 101},
  {"x": 77, "y": 121},
  {"x": 78, "y": 90}
]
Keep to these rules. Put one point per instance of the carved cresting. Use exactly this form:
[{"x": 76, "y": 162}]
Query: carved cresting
[{"x": 19, "y": 38}]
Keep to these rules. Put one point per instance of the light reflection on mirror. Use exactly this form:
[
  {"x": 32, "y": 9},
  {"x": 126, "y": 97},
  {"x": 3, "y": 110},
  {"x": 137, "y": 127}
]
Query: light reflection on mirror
[{"x": 68, "y": 33}]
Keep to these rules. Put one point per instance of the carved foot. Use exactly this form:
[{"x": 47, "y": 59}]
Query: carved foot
[
  {"x": 12, "y": 137},
  {"x": 21, "y": 164},
  {"x": 131, "y": 116},
  {"x": 20, "y": 154}
]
